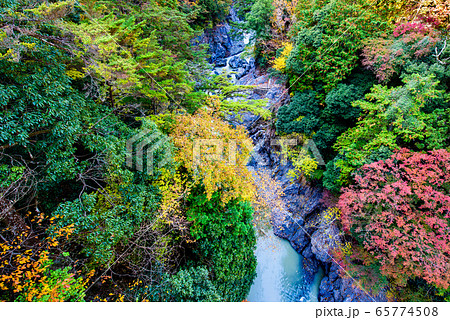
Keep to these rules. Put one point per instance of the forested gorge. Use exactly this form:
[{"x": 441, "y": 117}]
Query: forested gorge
[{"x": 367, "y": 81}]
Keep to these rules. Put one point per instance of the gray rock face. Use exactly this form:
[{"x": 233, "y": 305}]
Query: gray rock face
[
  {"x": 221, "y": 63},
  {"x": 233, "y": 15},
  {"x": 302, "y": 202},
  {"x": 221, "y": 43},
  {"x": 326, "y": 293},
  {"x": 334, "y": 288},
  {"x": 323, "y": 241},
  {"x": 238, "y": 45},
  {"x": 236, "y": 62}
]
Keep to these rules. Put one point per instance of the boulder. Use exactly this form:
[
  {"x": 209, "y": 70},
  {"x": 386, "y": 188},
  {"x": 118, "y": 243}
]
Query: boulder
[
  {"x": 220, "y": 62},
  {"x": 335, "y": 288},
  {"x": 326, "y": 290},
  {"x": 323, "y": 241},
  {"x": 218, "y": 52},
  {"x": 236, "y": 62}
]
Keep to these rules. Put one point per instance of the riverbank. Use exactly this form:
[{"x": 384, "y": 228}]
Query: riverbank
[{"x": 300, "y": 203}]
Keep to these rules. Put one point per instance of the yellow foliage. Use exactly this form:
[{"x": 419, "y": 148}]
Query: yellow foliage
[
  {"x": 53, "y": 11},
  {"x": 393, "y": 10},
  {"x": 74, "y": 74},
  {"x": 174, "y": 186},
  {"x": 214, "y": 153},
  {"x": 29, "y": 270},
  {"x": 280, "y": 62},
  {"x": 304, "y": 164}
]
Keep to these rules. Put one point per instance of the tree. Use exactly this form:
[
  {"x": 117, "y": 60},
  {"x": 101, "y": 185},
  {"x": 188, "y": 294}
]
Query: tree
[
  {"x": 392, "y": 118},
  {"x": 280, "y": 62},
  {"x": 214, "y": 153},
  {"x": 301, "y": 115},
  {"x": 328, "y": 35},
  {"x": 213, "y": 11},
  {"x": 225, "y": 241},
  {"x": 398, "y": 210},
  {"x": 258, "y": 18},
  {"x": 77, "y": 82},
  {"x": 127, "y": 57},
  {"x": 324, "y": 121},
  {"x": 430, "y": 11},
  {"x": 193, "y": 284},
  {"x": 62, "y": 143},
  {"x": 233, "y": 100},
  {"x": 411, "y": 42},
  {"x": 28, "y": 272}
]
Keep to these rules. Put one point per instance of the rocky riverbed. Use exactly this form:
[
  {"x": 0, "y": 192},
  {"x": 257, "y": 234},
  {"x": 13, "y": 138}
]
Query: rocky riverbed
[{"x": 296, "y": 220}]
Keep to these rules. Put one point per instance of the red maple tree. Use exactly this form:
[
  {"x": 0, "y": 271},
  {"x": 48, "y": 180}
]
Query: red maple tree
[{"x": 399, "y": 210}]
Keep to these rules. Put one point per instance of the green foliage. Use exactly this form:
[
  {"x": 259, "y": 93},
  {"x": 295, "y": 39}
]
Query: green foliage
[
  {"x": 339, "y": 102},
  {"x": 134, "y": 63},
  {"x": 242, "y": 7},
  {"x": 410, "y": 44},
  {"x": 331, "y": 176},
  {"x": 225, "y": 243},
  {"x": 79, "y": 79},
  {"x": 46, "y": 120},
  {"x": 102, "y": 221},
  {"x": 233, "y": 100},
  {"x": 189, "y": 284},
  {"x": 445, "y": 294},
  {"x": 323, "y": 122},
  {"x": 394, "y": 118},
  {"x": 10, "y": 175},
  {"x": 213, "y": 10},
  {"x": 418, "y": 290},
  {"x": 76, "y": 81},
  {"x": 328, "y": 35},
  {"x": 258, "y": 18},
  {"x": 301, "y": 115},
  {"x": 193, "y": 284},
  {"x": 69, "y": 288}
]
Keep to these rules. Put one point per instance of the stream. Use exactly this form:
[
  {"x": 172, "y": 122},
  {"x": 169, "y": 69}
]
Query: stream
[{"x": 280, "y": 275}]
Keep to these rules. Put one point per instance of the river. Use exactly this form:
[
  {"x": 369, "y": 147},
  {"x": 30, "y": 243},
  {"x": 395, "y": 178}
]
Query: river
[
  {"x": 279, "y": 270},
  {"x": 279, "y": 273}
]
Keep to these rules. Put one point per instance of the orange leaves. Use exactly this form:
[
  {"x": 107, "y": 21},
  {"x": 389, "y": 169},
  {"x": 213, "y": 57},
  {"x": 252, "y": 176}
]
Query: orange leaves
[
  {"x": 32, "y": 279},
  {"x": 26, "y": 272}
]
